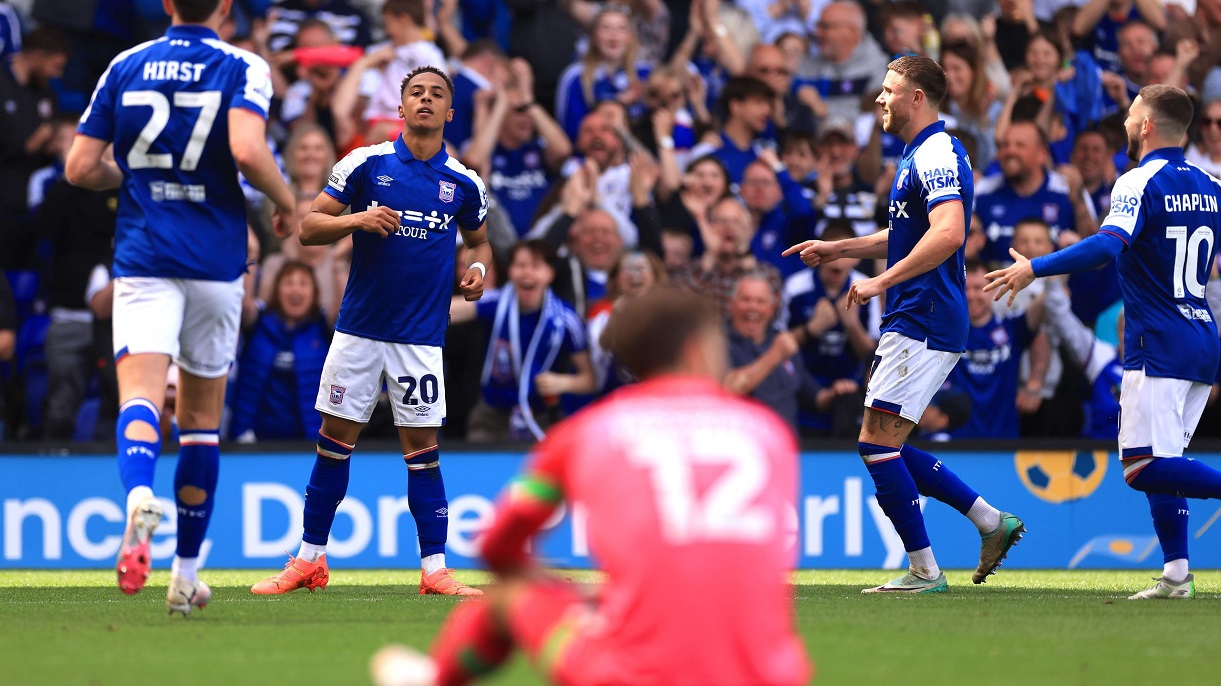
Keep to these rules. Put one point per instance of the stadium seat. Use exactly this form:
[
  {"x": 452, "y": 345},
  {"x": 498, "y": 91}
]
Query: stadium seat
[{"x": 86, "y": 420}]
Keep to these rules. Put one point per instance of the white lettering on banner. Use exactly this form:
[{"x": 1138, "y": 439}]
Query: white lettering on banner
[
  {"x": 389, "y": 510},
  {"x": 253, "y": 495},
  {"x": 895, "y": 554},
  {"x": 164, "y": 543},
  {"x": 362, "y": 530},
  {"x": 15, "y": 514},
  {"x": 817, "y": 509},
  {"x": 78, "y": 522},
  {"x": 854, "y": 543},
  {"x": 465, "y": 532}
]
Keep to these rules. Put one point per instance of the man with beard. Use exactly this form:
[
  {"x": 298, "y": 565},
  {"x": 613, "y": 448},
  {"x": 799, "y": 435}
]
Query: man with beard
[
  {"x": 1162, "y": 227},
  {"x": 924, "y": 328},
  {"x": 1023, "y": 189}
]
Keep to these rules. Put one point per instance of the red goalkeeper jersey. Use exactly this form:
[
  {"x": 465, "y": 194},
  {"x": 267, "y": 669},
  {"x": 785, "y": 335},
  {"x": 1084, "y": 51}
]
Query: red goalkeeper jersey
[{"x": 690, "y": 494}]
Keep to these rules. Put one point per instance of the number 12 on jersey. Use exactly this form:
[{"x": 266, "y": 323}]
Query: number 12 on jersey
[{"x": 208, "y": 104}]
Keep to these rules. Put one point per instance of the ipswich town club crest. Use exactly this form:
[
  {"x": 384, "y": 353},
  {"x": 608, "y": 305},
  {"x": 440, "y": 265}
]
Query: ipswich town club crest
[
  {"x": 447, "y": 191},
  {"x": 337, "y": 394}
]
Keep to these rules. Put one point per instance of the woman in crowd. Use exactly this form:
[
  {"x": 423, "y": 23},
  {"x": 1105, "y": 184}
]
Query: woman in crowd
[
  {"x": 281, "y": 362},
  {"x": 971, "y": 98},
  {"x": 608, "y": 70}
]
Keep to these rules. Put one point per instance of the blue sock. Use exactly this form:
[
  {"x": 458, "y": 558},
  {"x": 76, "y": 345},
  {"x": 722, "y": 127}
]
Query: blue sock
[
  {"x": 328, "y": 484},
  {"x": 426, "y": 498},
  {"x": 137, "y": 459},
  {"x": 1178, "y": 476},
  {"x": 195, "y": 486},
  {"x": 1170, "y": 517},
  {"x": 935, "y": 480},
  {"x": 897, "y": 494}
]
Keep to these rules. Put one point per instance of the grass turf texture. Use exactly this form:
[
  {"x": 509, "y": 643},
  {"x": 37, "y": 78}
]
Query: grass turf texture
[{"x": 1044, "y": 627}]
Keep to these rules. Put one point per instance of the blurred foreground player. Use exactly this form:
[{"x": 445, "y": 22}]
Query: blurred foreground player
[
  {"x": 1162, "y": 230},
  {"x": 713, "y": 478},
  {"x": 185, "y": 113},
  {"x": 408, "y": 199}
]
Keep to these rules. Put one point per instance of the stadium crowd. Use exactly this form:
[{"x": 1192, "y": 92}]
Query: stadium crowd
[{"x": 624, "y": 146}]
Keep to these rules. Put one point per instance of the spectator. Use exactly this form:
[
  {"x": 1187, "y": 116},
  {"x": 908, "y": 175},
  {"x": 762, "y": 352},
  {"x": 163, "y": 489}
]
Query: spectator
[
  {"x": 709, "y": 48},
  {"x": 346, "y": 22},
  {"x": 666, "y": 127},
  {"x": 775, "y": 18},
  {"x": 308, "y": 100},
  {"x": 308, "y": 158},
  {"x": 779, "y": 208},
  {"x": 281, "y": 362},
  {"x": 848, "y": 61},
  {"x": 482, "y": 63},
  {"x": 677, "y": 248},
  {"x": 1046, "y": 407},
  {"x": 835, "y": 341},
  {"x": 518, "y": 148},
  {"x": 10, "y": 44},
  {"x": 27, "y": 136},
  {"x": 329, "y": 262},
  {"x": 542, "y": 33},
  {"x": 608, "y": 70},
  {"x": 970, "y": 99},
  {"x": 1205, "y": 152},
  {"x": 632, "y": 275},
  {"x": 378, "y": 76},
  {"x": 1137, "y": 44},
  {"x": 534, "y": 337},
  {"x": 1099, "y": 23},
  {"x": 797, "y": 153},
  {"x": 8, "y": 344},
  {"x": 748, "y": 105},
  {"x": 729, "y": 230},
  {"x": 946, "y": 413},
  {"x": 650, "y": 23},
  {"x": 790, "y": 113},
  {"x": 904, "y": 31},
  {"x": 763, "y": 362},
  {"x": 988, "y": 370},
  {"x": 841, "y": 192},
  {"x": 957, "y": 27},
  {"x": 1024, "y": 188},
  {"x": 1093, "y": 171},
  {"x": 1101, "y": 362},
  {"x": 705, "y": 182},
  {"x": 1014, "y": 26},
  {"x": 80, "y": 225}
]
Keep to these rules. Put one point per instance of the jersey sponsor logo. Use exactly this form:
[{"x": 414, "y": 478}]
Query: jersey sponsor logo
[
  {"x": 1195, "y": 313},
  {"x": 423, "y": 223},
  {"x": 1124, "y": 204},
  {"x": 337, "y": 394},
  {"x": 168, "y": 191},
  {"x": 335, "y": 181},
  {"x": 446, "y": 193},
  {"x": 1051, "y": 213},
  {"x": 384, "y": 180},
  {"x": 899, "y": 209},
  {"x": 936, "y": 179}
]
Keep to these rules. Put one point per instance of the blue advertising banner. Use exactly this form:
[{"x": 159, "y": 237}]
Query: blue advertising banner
[{"x": 67, "y": 512}]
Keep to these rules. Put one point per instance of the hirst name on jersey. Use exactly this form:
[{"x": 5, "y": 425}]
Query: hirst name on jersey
[
  {"x": 173, "y": 70},
  {"x": 423, "y": 222},
  {"x": 1191, "y": 202}
]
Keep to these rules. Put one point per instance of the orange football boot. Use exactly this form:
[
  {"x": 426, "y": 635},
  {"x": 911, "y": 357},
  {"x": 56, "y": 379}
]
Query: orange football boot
[
  {"x": 298, "y": 573},
  {"x": 442, "y": 582}
]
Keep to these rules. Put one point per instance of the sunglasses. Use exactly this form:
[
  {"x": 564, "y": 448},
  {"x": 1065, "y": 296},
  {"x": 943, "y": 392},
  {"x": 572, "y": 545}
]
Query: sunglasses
[
  {"x": 781, "y": 71},
  {"x": 1206, "y": 122}
]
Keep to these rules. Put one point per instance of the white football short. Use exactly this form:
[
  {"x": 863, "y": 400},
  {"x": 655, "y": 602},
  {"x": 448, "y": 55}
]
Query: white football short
[
  {"x": 355, "y": 368},
  {"x": 193, "y": 321},
  {"x": 1157, "y": 416},
  {"x": 905, "y": 375}
]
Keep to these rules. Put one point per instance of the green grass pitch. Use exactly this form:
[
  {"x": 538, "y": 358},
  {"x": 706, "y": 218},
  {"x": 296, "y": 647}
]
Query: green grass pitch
[{"x": 1051, "y": 627}]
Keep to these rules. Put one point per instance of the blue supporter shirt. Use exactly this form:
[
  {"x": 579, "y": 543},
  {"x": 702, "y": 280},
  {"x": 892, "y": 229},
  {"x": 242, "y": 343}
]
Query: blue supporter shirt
[
  {"x": 520, "y": 180},
  {"x": 1105, "y": 40},
  {"x": 399, "y": 287},
  {"x": 467, "y": 82},
  {"x": 930, "y": 307},
  {"x": 571, "y": 106},
  {"x": 164, "y": 104},
  {"x": 999, "y": 208},
  {"x": 1166, "y": 212},
  {"x": 988, "y": 373}
]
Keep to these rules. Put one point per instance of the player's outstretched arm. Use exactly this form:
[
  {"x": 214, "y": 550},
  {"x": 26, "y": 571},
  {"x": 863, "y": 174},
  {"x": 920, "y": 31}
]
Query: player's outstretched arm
[
  {"x": 248, "y": 144},
  {"x": 323, "y": 225},
  {"x": 814, "y": 253},
  {"x": 88, "y": 166}
]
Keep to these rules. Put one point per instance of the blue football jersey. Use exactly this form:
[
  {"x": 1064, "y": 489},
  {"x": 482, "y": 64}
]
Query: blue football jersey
[
  {"x": 164, "y": 104},
  {"x": 999, "y": 208},
  {"x": 520, "y": 180},
  {"x": 932, "y": 306},
  {"x": 988, "y": 373},
  {"x": 399, "y": 286},
  {"x": 1166, "y": 212}
]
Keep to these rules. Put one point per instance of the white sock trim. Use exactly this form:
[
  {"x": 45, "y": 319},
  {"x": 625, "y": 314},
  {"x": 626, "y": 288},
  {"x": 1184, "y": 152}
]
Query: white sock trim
[
  {"x": 432, "y": 563},
  {"x": 923, "y": 564},
  {"x": 185, "y": 567},
  {"x": 985, "y": 517},
  {"x": 1175, "y": 570},
  {"x": 136, "y": 496},
  {"x": 310, "y": 552}
]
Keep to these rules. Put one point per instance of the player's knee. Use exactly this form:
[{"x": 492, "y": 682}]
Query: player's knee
[{"x": 192, "y": 496}]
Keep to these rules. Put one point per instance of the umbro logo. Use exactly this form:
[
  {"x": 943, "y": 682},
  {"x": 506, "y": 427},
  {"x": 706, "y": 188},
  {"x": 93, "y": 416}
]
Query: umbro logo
[
  {"x": 444, "y": 512},
  {"x": 384, "y": 180}
]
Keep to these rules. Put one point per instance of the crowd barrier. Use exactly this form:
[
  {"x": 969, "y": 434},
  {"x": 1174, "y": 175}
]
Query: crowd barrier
[{"x": 67, "y": 512}]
